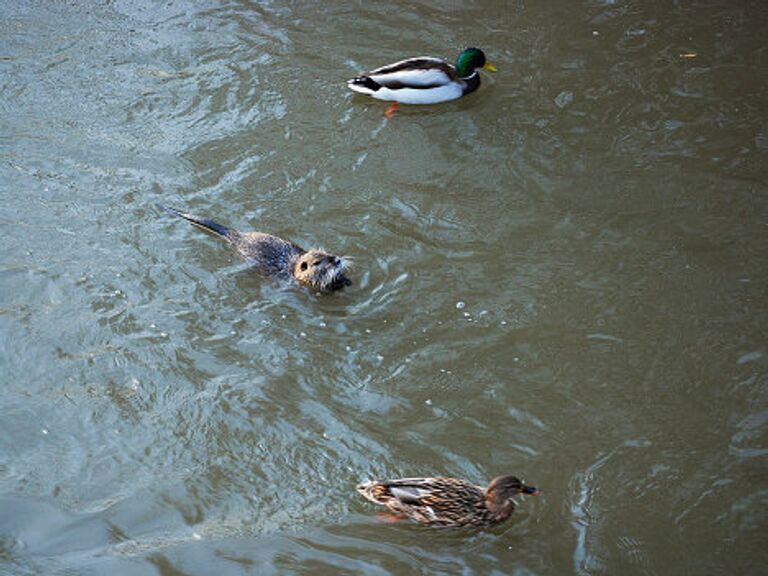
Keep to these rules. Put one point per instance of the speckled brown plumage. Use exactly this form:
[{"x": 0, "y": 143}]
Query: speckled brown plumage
[{"x": 447, "y": 501}]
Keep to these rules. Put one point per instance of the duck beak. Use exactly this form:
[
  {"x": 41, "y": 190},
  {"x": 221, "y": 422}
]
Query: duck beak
[
  {"x": 531, "y": 491},
  {"x": 490, "y": 67}
]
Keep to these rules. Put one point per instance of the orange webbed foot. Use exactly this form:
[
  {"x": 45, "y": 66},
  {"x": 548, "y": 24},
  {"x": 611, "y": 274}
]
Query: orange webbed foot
[
  {"x": 389, "y": 518},
  {"x": 390, "y": 111}
]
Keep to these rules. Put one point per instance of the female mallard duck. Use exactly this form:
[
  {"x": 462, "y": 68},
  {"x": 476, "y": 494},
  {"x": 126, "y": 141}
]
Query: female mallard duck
[
  {"x": 423, "y": 80},
  {"x": 448, "y": 501}
]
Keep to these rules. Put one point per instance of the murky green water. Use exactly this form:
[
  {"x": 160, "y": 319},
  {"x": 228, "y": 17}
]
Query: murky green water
[{"x": 562, "y": 276}]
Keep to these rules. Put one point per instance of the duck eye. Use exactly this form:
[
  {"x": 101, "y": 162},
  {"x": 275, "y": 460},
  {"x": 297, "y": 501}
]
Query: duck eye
[
  {"x": 316, "y": 263},
  {"x": 303, "y": 265}
]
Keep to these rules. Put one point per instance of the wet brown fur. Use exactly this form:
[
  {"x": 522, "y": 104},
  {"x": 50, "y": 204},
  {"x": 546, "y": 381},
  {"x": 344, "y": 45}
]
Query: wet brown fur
[{"x": 275, "y": 257}]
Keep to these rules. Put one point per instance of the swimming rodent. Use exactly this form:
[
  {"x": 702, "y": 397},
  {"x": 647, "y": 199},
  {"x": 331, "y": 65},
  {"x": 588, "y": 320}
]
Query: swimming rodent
[{"x": 275, "y": 257}]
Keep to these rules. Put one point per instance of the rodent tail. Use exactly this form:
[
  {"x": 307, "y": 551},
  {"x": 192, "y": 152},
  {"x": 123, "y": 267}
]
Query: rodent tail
[{"x": 204, "y": 223}]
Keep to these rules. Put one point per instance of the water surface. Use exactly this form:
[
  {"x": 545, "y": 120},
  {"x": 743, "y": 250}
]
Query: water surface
[{"x": 561, "y": 276}]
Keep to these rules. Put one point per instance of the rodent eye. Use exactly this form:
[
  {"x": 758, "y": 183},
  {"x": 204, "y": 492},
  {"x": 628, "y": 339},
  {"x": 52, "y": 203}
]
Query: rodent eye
[{"x": 303, "y": 266}]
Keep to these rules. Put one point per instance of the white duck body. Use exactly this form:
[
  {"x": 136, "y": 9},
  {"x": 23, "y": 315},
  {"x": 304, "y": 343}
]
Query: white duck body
[{"x": 423, "y": 80}]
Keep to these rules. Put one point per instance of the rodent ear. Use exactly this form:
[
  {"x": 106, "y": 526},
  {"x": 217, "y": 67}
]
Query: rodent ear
[{"x": 303, "y": 266}]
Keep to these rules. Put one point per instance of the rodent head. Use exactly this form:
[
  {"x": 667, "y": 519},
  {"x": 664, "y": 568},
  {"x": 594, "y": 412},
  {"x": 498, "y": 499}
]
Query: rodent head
[{"x": 320, "y": 271}]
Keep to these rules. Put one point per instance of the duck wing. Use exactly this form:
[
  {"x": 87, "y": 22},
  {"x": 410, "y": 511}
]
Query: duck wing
[
  {"x": 438, "y": 501},
  {"x": 429, "y": 500},
  {"x": 423, "y": 72}
]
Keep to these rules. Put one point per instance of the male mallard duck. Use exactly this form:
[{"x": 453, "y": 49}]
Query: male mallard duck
[
  {"x": 447, "y": 501},
  {"x": 423, "y": 80}
]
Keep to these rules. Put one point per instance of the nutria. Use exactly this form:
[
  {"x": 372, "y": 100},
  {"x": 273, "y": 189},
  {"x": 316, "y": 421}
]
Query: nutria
[{"x": 275, "y": 257}]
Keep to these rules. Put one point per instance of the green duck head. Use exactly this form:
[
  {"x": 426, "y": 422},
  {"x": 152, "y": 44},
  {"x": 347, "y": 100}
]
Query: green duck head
[{"x": 469, "y": 60}]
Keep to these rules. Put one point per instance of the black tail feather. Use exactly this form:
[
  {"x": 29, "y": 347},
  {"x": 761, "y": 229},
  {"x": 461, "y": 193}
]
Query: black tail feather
[
  {"x": 366, "y": 82},
  {"x": 205, "y": 223}
]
